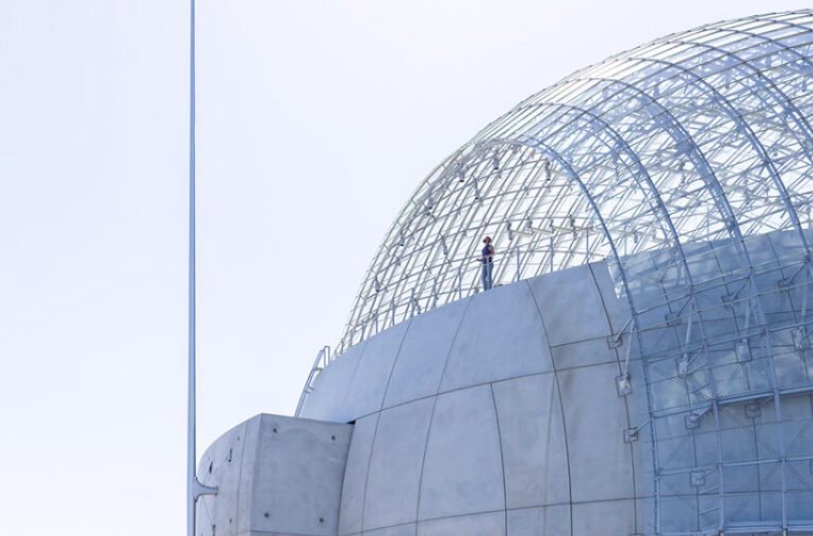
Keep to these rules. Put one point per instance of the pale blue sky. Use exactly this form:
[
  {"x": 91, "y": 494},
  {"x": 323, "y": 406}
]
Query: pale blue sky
[{"x": 316, "y": 120}]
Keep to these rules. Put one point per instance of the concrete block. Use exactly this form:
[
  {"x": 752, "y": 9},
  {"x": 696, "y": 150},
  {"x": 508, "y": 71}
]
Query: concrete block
[
  {"x": 501, "y": 336},
  {"x": 278, "y": 474},
  {"x": 533, "y": 441},
  {"x": 544, "y": 521},
  {"x": 488, "y": 524},
  {"x": 298, "y": 475},
  {"x": 355, "y": 475},
  {"x": 394, "y": 477},
  {"x": 221, "y": 466},
  {"x": 463, "y": 467},
  {"x": 418, "y": 369}
]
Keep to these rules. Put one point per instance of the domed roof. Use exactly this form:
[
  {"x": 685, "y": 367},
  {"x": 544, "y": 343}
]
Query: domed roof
[{"x": 701, "y": 137}]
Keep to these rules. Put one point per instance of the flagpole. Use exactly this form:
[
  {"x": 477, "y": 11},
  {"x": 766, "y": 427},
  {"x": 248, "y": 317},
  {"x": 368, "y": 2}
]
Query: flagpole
[
  {"x": 194, "y": 489},
  {"x": 191, "y": 455}
]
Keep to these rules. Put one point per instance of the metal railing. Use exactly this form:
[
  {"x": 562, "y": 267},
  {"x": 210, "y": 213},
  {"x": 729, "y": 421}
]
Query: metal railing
[{"x": 323, "y": 359}]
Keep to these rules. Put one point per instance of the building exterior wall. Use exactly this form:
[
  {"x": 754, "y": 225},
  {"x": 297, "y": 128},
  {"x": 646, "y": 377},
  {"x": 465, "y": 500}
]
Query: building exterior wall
[
  {"x": 275, "y": 475},
  {"x": 498, "y": 414},
  {"x": 502, "y": 413}
]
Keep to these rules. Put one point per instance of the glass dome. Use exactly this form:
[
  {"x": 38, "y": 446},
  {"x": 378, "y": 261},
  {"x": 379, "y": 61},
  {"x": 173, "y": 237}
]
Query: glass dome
[{"x": 697, "y": 140}]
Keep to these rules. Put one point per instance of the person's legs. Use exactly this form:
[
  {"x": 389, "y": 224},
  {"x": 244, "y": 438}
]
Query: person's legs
[{"x": 486, "y": 276}]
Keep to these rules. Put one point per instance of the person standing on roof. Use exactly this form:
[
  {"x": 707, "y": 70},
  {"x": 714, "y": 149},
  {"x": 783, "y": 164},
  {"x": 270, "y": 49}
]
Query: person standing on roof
[{"x": 487, "y": 259}]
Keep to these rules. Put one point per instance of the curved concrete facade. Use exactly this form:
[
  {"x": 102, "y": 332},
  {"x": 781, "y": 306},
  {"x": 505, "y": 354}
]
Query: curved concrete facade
[
  {"x": 498, "y": 414},
  {"x": 534, "y": 409}
]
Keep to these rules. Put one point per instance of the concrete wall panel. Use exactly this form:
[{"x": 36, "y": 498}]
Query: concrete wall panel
[
  {"x": 395, "y": 465},
  {"x": 423, "y": 355},
  {"x": 489, "y": 524},
  {"x": 501, "y": 336},
  {"x": 545, "y": 521},
  {"x": 580, "y": 354},
  {"x": 590, "y": 519},
  {"x": 284, "y": 473},
  {"x": 374, "y": 370},
  {"x": 355, "y": 475},
  {"x": 327, "y": 401},
  {"x": 463, "y": 467},
  {"x": 593, "y": 410},
  {"x": 298, "y": 475},
  {"x": 533, "y": 441},
  {"x": 399, "y": 530},
  {"x": 222, "y": 465},
  {"x": 571, "y": 306}
]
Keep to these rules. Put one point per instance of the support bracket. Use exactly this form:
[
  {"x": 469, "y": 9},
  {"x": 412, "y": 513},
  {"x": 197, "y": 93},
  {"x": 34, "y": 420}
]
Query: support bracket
[{"x": 198, "y": 489}]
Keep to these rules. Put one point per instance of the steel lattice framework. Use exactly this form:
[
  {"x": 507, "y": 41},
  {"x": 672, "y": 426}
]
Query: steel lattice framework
[
  {"x": 686, "y": 165},
  {"x": 697, "y": 137}
]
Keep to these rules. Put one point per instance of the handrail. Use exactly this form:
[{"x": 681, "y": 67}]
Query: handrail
[{"x": 323, "y": 359}]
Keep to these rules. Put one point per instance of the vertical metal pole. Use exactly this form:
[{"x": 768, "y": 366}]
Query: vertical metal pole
[{"x": 191, "y": 477}]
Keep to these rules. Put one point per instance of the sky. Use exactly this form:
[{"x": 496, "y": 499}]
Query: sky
[{"x": 315, "y": 122}]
